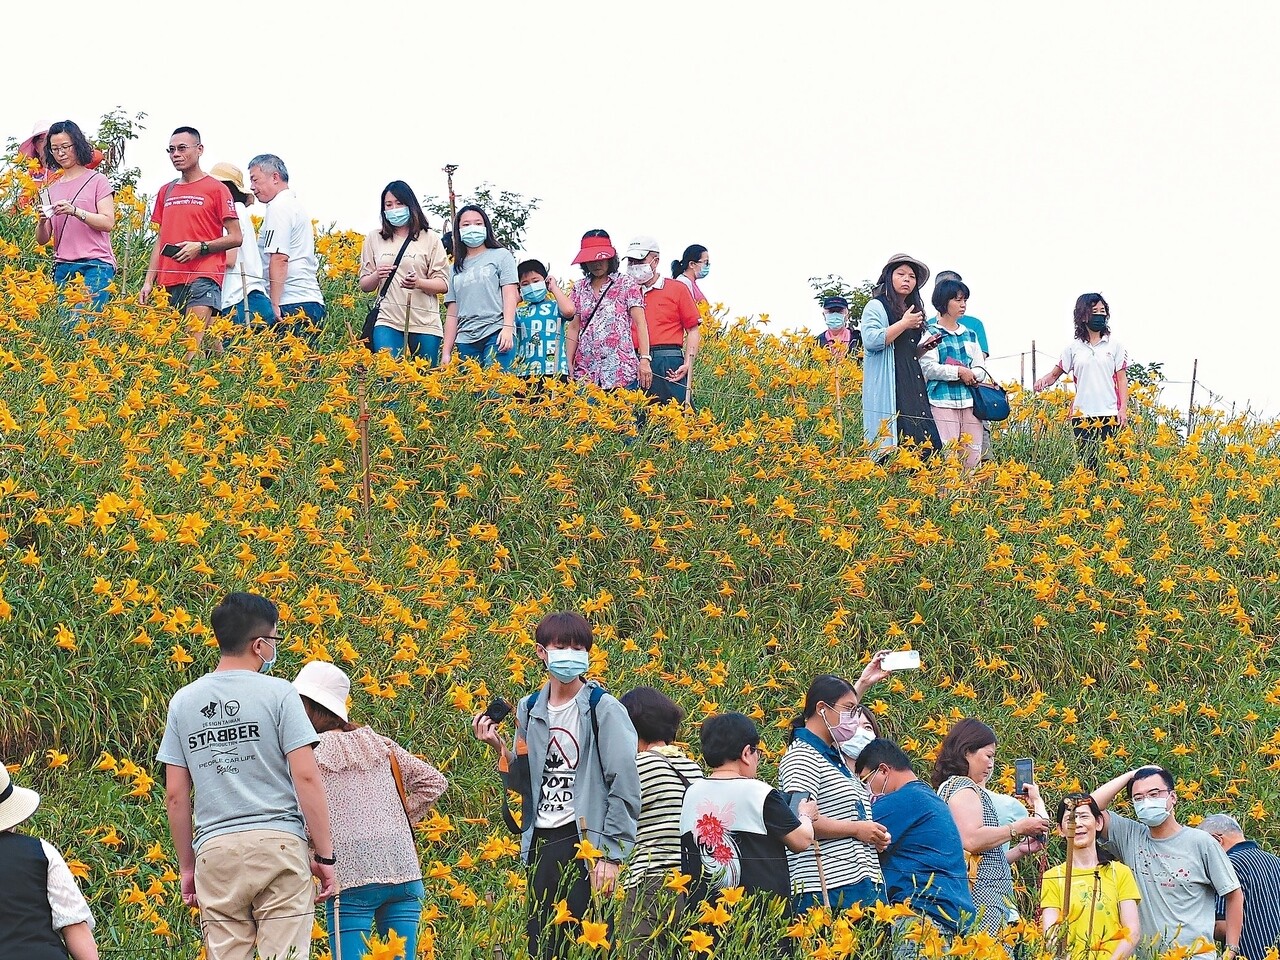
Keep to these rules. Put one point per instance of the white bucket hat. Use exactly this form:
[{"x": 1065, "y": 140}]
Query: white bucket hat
[
  {"x": 327, "y": 685},
  {"x": 16, "y": 803}
]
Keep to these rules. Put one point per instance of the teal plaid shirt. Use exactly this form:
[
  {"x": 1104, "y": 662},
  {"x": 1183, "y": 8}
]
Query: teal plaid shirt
[{"x": 945, "y": 389}]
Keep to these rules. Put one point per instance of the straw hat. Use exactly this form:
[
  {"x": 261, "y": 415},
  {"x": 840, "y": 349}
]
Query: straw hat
[
  {"x": 229, "y": 173},
  {"x": 325, "y": 684},
  {"x": 16, "y": 803}
]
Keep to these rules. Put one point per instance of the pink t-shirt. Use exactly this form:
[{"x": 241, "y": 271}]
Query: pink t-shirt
[{"x": 73, "y": 240}]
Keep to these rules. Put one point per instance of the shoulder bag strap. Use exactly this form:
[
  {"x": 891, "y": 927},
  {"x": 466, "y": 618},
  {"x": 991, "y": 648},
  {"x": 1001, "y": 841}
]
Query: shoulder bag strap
[
  {"x": 582, "y": 327},
  {"x": 398, "y": 777},
  {"x": 386, "y": 285}
]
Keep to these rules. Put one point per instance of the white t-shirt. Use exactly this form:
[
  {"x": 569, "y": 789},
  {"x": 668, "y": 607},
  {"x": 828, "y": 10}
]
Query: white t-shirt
[
  {"x": 1094, "y": 366},
  {"x": 248, "y": 257},
  {"x": 555, "y": 798},
  {"x": 287, "y": 229}
]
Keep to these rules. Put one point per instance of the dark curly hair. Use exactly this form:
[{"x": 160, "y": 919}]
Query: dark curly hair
[{"x": 962, "y": 739}]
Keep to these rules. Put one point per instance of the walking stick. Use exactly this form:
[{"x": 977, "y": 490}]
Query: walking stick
[{"x": 822, "y": 877}]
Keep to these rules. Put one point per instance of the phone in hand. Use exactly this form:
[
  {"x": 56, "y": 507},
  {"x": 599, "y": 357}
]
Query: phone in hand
[
  {"x": 170, "y": 250},
  {"x": 1024, "y": 772},
  {"x": 901, "y": 660},
  {"x": 497, "y": 710},
  {"x": 797, "y": 797}
]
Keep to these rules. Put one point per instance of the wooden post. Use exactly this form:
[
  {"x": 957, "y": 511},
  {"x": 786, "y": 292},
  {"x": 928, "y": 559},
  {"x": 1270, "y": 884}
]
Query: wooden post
[
  {"x": 835, "y": 366},
  {"x": 1033, "y": 362},
  {"x": 449, "y": 170},
  {"x": 1191, "y": 404},
  {"x": 1022, "y": 371},
  {"x": 366, "y": 496}
]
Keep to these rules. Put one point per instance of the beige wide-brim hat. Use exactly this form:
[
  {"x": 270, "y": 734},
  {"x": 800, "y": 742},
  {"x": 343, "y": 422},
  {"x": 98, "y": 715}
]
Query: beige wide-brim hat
[
  {"x": 16, "y": 803},
  {"x": 230, "y": 173},
  {"x": 327, "y": 685},
  {"x": 922, "y": 272}
]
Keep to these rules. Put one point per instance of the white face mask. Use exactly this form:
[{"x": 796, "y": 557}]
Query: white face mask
[
  {"x": 640, "y": 272},
  {"x": 1151, "y": 812},
  {"x": 853, "y": 746}
]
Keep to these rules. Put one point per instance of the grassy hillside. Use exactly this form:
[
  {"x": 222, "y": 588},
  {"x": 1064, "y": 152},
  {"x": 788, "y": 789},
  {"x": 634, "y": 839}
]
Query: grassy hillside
[{"x": 725, "y": 557}]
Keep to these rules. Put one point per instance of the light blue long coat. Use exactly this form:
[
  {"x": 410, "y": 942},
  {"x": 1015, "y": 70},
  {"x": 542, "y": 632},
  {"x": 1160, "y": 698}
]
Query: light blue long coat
[{"x": 879, "y": 385}]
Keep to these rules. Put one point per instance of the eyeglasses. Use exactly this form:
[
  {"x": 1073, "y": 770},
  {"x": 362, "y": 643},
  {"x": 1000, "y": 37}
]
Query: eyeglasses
[
  {"x": 180, "y": 148},
  {"x": 61, "y": 147},
  {"x": 1152, "y": 794},
  {"x": 274, "y": 639}
]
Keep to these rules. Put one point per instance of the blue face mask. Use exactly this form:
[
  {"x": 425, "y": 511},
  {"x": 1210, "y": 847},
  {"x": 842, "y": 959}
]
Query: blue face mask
[
  {"x": 834, "y": 321},
  {"x": 534, "y": 292},
  {"x": 397, "y": 216},
  {"x": 268, "y": 664},
  {"x": 568, "y": 665},
  {"x": 702, "y": 273},
  {"x": 472, "y": 236}
]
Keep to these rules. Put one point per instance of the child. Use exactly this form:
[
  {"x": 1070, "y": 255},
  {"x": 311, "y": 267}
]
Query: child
[{"x": 540, "y": 319}]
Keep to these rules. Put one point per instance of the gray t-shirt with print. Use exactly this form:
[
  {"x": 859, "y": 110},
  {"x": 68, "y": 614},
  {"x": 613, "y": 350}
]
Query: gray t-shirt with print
[
  {"x": 477, "y": 290},
  {"x": 233, "y": 730},
  {"x": 1180, "y": 879}
]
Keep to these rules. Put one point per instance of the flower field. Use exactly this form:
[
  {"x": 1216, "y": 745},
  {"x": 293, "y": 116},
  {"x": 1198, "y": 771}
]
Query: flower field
[{"x": 724, "y": 556}]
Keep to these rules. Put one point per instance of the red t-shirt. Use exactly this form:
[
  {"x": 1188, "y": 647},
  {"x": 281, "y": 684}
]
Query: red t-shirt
[
  {"x": 192, "y": 211},
  {"x": 669, "y": 311}
]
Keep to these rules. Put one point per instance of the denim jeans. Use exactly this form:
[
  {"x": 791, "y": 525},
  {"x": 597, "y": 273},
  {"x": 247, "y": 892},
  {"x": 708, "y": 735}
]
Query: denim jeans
[
  {"x": 485, "y": 352},
  {"x": 306, "y": 327},
  {"x": 864, "y": 893},
  {"x": 425, "y": 345},
  {"x": 251, "y": 311},
  {"x": 382, "y": 906},
  {"x": 97, "y": 276}
]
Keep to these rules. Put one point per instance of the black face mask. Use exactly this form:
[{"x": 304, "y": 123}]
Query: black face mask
[{"x": 1098, "y": 322}]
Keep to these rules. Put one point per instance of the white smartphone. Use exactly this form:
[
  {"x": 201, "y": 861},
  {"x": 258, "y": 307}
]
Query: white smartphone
[{"x": 901, "y": 660}]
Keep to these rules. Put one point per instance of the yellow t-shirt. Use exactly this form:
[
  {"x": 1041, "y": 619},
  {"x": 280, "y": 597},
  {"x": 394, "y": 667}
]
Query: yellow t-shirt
[{"x": 1093, "y": 892}]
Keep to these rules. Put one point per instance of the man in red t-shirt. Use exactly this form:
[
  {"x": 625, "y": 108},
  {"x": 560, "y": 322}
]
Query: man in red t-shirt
[
  {"x": 673, "y": 319},
  {"x": 197, "y": 224}
]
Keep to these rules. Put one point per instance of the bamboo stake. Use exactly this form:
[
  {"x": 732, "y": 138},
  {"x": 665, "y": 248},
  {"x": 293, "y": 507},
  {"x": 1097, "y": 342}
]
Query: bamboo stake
[
  {"x": 1195, "y": 369},
  {"x": 1066, "y": 880},
  {"x": 366, "y": 496},
  {"x": 822, "y": 877}
]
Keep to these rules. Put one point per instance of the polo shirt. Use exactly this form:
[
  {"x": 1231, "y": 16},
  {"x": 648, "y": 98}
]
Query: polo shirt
[
  {"x": 1094, "y": 366},
  {"x": 670, "y": 312},
  {"x": 287, "y": 229}
]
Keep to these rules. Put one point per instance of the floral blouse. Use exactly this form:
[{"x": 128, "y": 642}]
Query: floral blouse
[{"x": 606, "y": 353}]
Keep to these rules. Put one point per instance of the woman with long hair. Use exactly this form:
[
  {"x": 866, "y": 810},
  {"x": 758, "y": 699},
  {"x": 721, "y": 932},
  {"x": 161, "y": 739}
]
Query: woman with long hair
[
  {"x": 1102, "y": 921},
  {"x": 1099, "y": 367},
  {"x": 80, "y": 216},
  {"x": 963, "y": 766},
  {"x": 480, "y": 306},
  {"x": 826, "y": 737},
  {"x": 693, "y": 265},
  {"x": 895, "y": 402},
  {"x": 404, "y": 249},
  {"x": 376, "y": 791},
  {"x": 608, "y": 321}
]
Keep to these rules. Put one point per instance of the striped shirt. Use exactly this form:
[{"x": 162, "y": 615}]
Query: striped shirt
[
  {"x": 841, "y": 796},
  {"x": 1259, "y": 875},
  {"x": 657, "y": 848}
]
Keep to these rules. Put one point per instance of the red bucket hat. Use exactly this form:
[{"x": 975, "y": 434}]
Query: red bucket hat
[{"x": 595, "y": 248}]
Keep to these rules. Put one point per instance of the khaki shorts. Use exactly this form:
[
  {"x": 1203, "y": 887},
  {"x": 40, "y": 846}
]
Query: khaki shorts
[{"x": 255, "y": 893}]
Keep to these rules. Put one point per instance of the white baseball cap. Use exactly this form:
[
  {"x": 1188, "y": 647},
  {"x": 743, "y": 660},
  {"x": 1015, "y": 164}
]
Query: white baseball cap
[
  {"x": 327, "y": 685},
  {"x": 640, "y": 247}
]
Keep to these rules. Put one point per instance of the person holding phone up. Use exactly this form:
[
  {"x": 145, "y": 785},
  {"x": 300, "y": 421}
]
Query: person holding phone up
[
  {"x": 965, "y": 763},
  {"x": 573, "y": 762}
]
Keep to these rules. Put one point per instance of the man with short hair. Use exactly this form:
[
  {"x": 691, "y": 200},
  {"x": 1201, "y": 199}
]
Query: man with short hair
[
  {"x": 288, "y": 244},
  {"x": 924, "y": 862},
  {"x": 673, "y": 320},
  {"x": 243, "y": 743},
  {"x": 1181, "y": 873},
  {"x": 1259, "y": 874},
  {"x": 980, "y": 331},
  {"x": 196, "y": 225}
]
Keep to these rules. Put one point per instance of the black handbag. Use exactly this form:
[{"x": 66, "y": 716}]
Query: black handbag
[
  {"x": 371, "y": 318},
  {"x": 990, "y": 400}
]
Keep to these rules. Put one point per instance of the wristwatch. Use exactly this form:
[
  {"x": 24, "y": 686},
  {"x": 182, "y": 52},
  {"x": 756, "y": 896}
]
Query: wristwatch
[
  {"x": 645, "y": 356},
  {"x": 324, "y": 861},
  {"x": 204, "y": 249}
]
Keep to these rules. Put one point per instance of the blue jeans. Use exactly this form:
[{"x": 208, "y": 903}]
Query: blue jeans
[
  {"x": 306, "y": 327},
  {"x": 97, "y": 276},
  {"x": 485, "y": 352},
  {"x": 865, "y": 893},
  {"x": 384, "y": 906},
  {"x": 252, "y": 311},
  {"x": 426, "y": 345}
]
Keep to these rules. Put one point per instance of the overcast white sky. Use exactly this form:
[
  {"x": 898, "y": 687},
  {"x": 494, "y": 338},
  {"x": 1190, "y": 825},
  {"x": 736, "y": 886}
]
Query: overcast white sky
[{"x": 1041, "y": 150}]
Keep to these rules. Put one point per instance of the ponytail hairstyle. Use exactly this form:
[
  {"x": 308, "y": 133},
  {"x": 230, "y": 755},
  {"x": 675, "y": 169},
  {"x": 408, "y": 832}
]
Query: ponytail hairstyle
[
  {"x": 826, "y": 688},
  {"x": 692, "y": 254},
  {"x": 1071, "y": 802}
]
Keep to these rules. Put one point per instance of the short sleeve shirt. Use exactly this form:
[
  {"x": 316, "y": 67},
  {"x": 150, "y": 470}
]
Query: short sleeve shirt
[
  {"x": 670, "y": 312},
  {"x": 424, "y": 256},
  {"x": 477, "y": 290},
  {"x": 287, "y": 229},
  {"x": 1180, "y": 878},
  {"x": 540, "y": 350},
  {"x": 192, "y": 211},
  {"x": 72, "y": 238},
  {"x": 1094, "y": 366},
  {"x": 606, "y": 352},
  {"x": 233, "y": 731},
  {"x": 1096, "y": 896},
  {"x": 248, "y": 265}
]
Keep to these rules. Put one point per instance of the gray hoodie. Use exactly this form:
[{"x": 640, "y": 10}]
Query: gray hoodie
[{"x": 610, "y": 803}]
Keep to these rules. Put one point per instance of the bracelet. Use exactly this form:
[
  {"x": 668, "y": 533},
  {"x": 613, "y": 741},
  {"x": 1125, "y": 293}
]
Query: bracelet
[
  {"x": 645, "y": 356},
  {"x": 1014, "y": 837},
  {"x": 324, "y": 861}
]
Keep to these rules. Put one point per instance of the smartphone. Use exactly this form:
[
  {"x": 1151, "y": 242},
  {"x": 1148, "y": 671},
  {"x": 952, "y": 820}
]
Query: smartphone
[
  {"x": 170, "y": 249},
  {"x": 901, "y": 660},
  {"x": 497, "y": 710},
  {"x": 797, "y": 797},
  {"x": 1024, "y": 772}
]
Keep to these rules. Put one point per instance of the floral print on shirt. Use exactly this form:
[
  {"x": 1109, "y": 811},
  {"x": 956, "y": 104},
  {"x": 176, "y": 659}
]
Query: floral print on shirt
[{"x": 606, "y": 353}]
